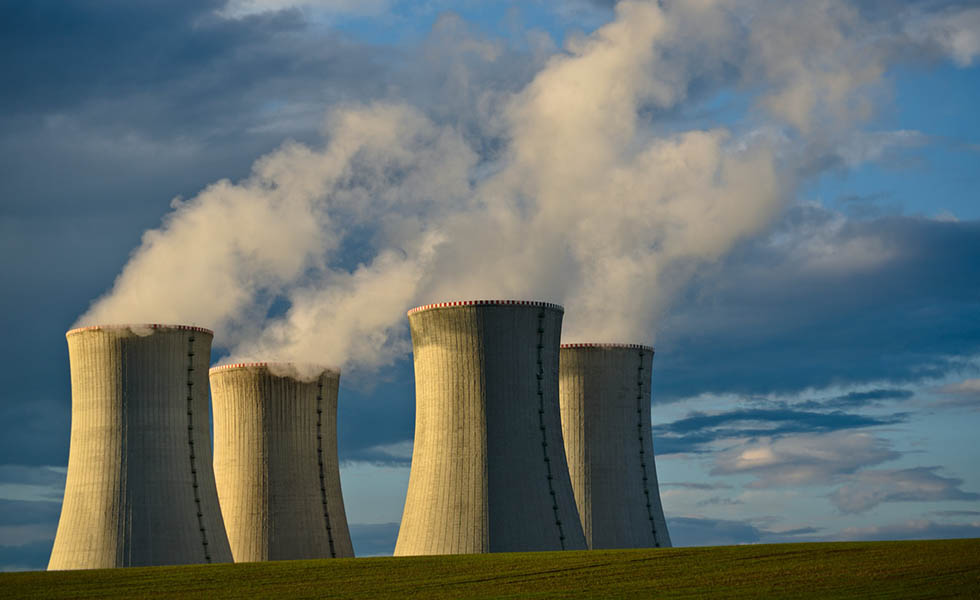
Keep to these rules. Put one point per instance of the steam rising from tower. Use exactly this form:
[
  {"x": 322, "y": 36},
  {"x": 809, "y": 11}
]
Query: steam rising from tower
[{"x": 593, "y": 204}]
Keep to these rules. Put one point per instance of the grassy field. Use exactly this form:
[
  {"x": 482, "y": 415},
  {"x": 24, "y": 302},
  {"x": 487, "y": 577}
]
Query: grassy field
[{"x": 927, "y": 569}]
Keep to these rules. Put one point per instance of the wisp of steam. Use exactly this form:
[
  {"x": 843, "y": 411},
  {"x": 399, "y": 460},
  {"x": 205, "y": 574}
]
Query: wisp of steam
[{"x": 596, "y": 199}]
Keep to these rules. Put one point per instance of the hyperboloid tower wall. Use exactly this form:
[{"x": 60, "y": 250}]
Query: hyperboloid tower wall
[
  {"x": 488, "y": 468},
  {"x": 140, "y": 489},
  {"x": 275, "y": 461},
  {"x": 605, "y": 416}
]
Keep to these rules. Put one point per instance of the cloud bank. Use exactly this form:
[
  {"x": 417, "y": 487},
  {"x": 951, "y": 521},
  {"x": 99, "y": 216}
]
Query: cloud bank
[
  {"x": 919, "y": 484},
  {"x": 806, "y": 459}
]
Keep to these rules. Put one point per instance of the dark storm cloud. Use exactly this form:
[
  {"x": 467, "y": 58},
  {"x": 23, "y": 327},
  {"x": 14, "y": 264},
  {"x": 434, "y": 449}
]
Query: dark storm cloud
[
  {"x": 117, "y": 107},
  {"x": 787, "y": 420},
  {"x": 822, "y": 300},
  {"x": 57, "y": 54},
  {"x": 177, "y": 71},
  {"x": 110, "y": 109},
  {"x": 875, "y": 397},
  {"x": 695, "y": 432},
  {"x": 168, "y": 67}
]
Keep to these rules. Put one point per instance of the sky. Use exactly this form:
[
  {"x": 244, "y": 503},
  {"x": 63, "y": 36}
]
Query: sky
[{"x": 782, "y": 198}]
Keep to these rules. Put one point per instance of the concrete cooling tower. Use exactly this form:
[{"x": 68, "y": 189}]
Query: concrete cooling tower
[
  {"x": 275, "y": 462},
  {"x": 488, "y": 469},
  {"x": 605, "y": 416},
  {"x": 140, "y": 489}
]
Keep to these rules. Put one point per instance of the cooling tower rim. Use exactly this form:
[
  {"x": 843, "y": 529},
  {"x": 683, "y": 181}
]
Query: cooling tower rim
[
  {"x": 458, "y": 303},
  {"x": 606, "y": 345},
  {"x": 267, "y": 364},
  {"x": 163, "y": 326}
]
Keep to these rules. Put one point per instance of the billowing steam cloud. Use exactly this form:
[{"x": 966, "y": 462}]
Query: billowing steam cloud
[{"x": 593, "y": 203}]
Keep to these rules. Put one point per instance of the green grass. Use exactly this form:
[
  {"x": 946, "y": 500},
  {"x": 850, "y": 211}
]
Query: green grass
[{"x": 919, "y": 569}]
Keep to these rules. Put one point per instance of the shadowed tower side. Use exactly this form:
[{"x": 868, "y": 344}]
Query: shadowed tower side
[
  {"x": 276, "y": 465},
  {"x": 140, "y": 489},
  {"x": 605, "y": 415},
  {"x": 488, "y": 467}
]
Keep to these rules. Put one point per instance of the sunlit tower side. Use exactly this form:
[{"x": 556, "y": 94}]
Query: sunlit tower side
[
  {"x": 140, "y": 489},
  {"x": 605, "y": 413},
  {"x": 276, "y": 464},
  {"x": 488, "y": 467}
]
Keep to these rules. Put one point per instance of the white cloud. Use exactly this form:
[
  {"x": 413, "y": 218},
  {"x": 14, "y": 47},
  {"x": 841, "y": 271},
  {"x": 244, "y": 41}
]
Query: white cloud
[
  {"x": 822, "y": 249},
  {"x": 31, "y": 493},
  {"x": 32, "y": 484},
  {"x": 398, "y": 453},
  {"x": 964, "y": 393},
  {"x": 868, "y": 489},
  {"x": 810, "y": 52},
  {"x": 956, "y": 31},
  {"x": 808, "y": 459},
  {"x": 913, "y": 529},
  {"x": 19, "y": 535},
  {"x": 872, "y": 146},
  {"x": 235, "y": 9}
]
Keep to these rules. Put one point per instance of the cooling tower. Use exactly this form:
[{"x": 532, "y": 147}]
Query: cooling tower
[
  {"x": 605, "y": 417},
  {"x": 275, "y": 462},
  {"x": 488, "y": 469},
  {"x": 140, "y": 489}
]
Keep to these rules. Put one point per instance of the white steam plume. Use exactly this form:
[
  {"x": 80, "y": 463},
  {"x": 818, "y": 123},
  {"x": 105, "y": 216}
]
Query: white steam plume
[{"x": 591, "y": 203}]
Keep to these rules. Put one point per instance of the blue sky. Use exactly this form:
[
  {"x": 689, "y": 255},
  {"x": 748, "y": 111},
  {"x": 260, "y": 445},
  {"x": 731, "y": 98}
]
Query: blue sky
[{"x": 784, "y": 200}]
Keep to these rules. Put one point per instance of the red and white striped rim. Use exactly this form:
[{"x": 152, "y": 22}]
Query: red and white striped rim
[
  {"x": 487, "y": 303},
  {"x": 609, "y": 345},
  {"x": 266, "y": 365},
  {"x": 141, "y": 326}
]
